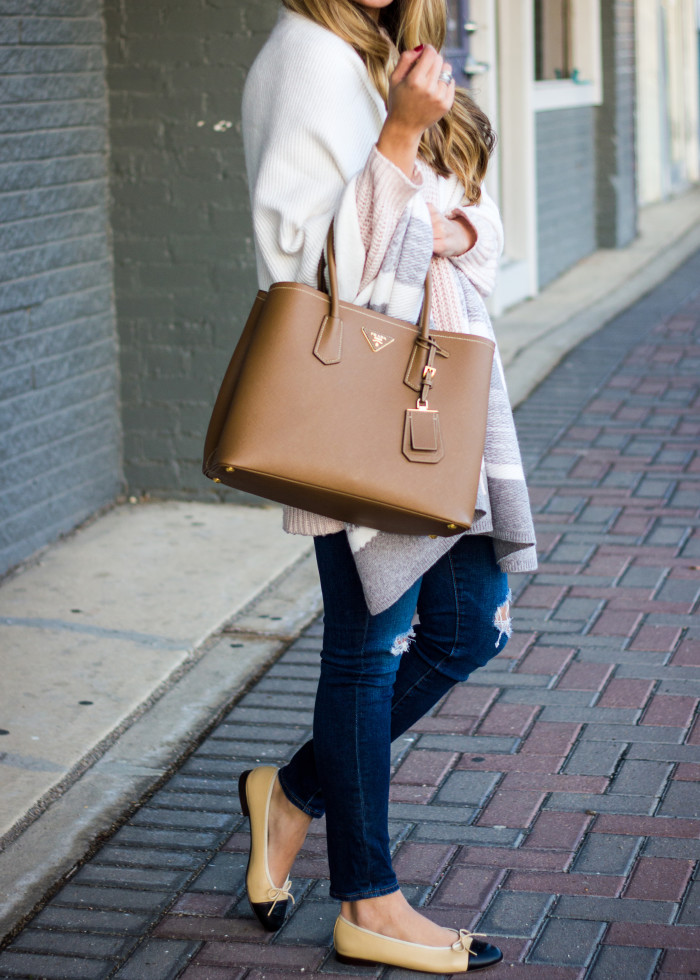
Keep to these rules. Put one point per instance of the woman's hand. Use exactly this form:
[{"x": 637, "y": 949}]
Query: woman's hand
[
  {"x": 417, "y": 100},
  {"x": 451, "y": 236}
]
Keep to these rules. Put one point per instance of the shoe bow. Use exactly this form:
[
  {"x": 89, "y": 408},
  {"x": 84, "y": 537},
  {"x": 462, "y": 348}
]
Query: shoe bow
[
  {"x": 276, "y": 895},
  {"x": 464, "y": 940}
]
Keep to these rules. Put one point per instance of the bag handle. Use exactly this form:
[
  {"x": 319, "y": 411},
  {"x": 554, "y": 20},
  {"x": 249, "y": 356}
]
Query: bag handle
[
  {"x": 329, "y": 341},
  {"x": 424, "y": 318}
]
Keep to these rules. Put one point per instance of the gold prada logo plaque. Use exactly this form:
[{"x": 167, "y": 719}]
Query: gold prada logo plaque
[{"x": 377, "y": 341}]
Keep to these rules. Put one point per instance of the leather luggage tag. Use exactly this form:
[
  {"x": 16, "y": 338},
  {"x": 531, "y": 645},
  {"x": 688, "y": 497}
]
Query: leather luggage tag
[{"x": 422, "y": 438}]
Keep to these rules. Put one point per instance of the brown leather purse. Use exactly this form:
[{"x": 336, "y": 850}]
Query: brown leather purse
[{"x": 351, "y": 414}]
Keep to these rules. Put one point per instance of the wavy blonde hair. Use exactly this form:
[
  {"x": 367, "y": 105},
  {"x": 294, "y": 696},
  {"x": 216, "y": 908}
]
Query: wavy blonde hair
[{"x": 462, "y": 141}]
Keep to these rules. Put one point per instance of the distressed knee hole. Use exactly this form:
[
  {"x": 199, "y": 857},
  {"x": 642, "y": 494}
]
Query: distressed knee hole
[
  {"x": 402, "y": 642},
  {"x": 502, "y": 621}
]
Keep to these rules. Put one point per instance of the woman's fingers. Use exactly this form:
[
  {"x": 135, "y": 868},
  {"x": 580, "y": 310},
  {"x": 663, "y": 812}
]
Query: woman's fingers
[
  {"x": 404, "y": 65},
  {"x": 451, "y": 236},
  {"x": 446, "y": 70},
  {"x": 429, "y": 67},
  {"x": 445, "y": 91},
  {"x": 423, "y": 76},
  {"x": 417, "y": 97},
  {"x": 434, "y": 70},
  {"x": 427, "y": 58}
]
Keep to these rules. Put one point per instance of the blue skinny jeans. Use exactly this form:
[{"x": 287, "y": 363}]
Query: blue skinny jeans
[{"x": 378, "y": 677}]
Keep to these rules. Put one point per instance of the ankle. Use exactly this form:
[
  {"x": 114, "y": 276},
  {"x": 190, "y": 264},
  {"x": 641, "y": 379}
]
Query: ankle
[
  {"x": 371, "y": 913},
  {"x": 279, "y": 797},
  {"x": 281, "y": 802}
]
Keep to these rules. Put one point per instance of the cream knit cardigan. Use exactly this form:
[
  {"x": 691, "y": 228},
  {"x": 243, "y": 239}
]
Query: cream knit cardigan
[{"x": 311, "y": 118}]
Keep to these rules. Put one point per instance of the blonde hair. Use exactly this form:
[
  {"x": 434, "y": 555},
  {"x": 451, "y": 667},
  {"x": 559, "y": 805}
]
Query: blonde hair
[{"x": 462, "y": 141}]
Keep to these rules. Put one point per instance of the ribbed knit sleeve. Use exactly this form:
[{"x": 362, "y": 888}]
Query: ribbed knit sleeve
[
  {"x": 382, "y": 192},
  {"x": 304, "y": 150}
]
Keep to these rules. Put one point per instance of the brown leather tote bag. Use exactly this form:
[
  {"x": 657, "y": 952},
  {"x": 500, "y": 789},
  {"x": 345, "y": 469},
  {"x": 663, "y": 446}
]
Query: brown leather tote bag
[{"x": 351, "y": 414}]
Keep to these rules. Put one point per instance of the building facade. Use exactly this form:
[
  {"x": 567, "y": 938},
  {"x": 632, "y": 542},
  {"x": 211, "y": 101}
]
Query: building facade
[
  {"x": 60, "y": 424},
  {"x": 127, "y": 258},
  {"x": 596, "y": 105}
]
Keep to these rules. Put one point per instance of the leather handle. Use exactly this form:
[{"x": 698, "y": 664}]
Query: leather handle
[
  {"x": 332, "y": 271},
  {"x": 424, "y": 318}
]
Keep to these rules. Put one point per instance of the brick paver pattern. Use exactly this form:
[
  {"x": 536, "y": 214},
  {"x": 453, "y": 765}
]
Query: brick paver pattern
[{"x": 550, "y": 802}]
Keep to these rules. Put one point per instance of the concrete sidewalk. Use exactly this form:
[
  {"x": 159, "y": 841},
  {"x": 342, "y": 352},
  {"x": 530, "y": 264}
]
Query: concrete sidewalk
[
  {"x": 550, "y": 802},
  {"x": 121, "y": 647},
  {"x": 120, "y": 636}
]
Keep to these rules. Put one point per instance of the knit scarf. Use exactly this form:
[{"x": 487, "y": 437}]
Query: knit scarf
[{"x": 388, "y": 564}]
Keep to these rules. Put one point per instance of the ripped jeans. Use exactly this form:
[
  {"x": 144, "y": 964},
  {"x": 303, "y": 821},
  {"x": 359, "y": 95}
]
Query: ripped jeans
[{"x": 377, "y": 679}]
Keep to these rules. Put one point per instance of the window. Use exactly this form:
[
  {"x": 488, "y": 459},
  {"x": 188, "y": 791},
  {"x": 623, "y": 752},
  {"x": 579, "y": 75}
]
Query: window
[
  {"x": 552, "y": 39},
  {"x": 568, "y": 69}
]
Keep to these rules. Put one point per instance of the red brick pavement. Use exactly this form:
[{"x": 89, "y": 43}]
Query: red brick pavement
[{"x": 550, "y": 802}]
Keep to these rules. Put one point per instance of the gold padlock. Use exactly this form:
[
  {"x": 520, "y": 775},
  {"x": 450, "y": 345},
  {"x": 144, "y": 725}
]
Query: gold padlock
[
  {"x": 229, "y": 469},
  {"x": 451, "y": 527}
]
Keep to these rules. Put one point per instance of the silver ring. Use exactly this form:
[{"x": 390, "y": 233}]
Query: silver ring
[{"x": 446, "y": 77}]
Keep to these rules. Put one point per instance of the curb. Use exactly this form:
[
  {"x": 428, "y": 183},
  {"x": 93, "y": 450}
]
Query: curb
[{"x": 535, "y": 335}]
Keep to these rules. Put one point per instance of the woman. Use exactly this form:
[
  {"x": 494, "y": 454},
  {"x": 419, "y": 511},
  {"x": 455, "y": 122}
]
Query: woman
[{"x": 338, "y": 126}]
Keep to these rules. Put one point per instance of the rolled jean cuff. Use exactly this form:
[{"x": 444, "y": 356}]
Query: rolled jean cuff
[
  {"x": 357, "y": 896},
  {"x": 308, "y": 807}
]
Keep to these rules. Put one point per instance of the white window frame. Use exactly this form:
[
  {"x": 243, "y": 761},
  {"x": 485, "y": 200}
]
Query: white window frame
[
  {"x": 512, "y": 177},
  {"x": 586, "y": 56}
]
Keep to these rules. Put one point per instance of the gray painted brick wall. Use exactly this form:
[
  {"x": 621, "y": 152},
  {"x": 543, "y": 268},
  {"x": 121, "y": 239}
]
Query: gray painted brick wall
[
  {"x": 615, "y": 128},
  {"x": 184, "y": 258},
  {"x": 565, "y": 147},
  {"x": 59, "y": 421}
]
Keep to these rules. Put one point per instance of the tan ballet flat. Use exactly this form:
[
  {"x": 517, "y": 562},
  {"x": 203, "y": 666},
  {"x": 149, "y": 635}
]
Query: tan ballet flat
[
  {"x": 356, "y": 945},
  {"x": 267, "y": 900}
]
